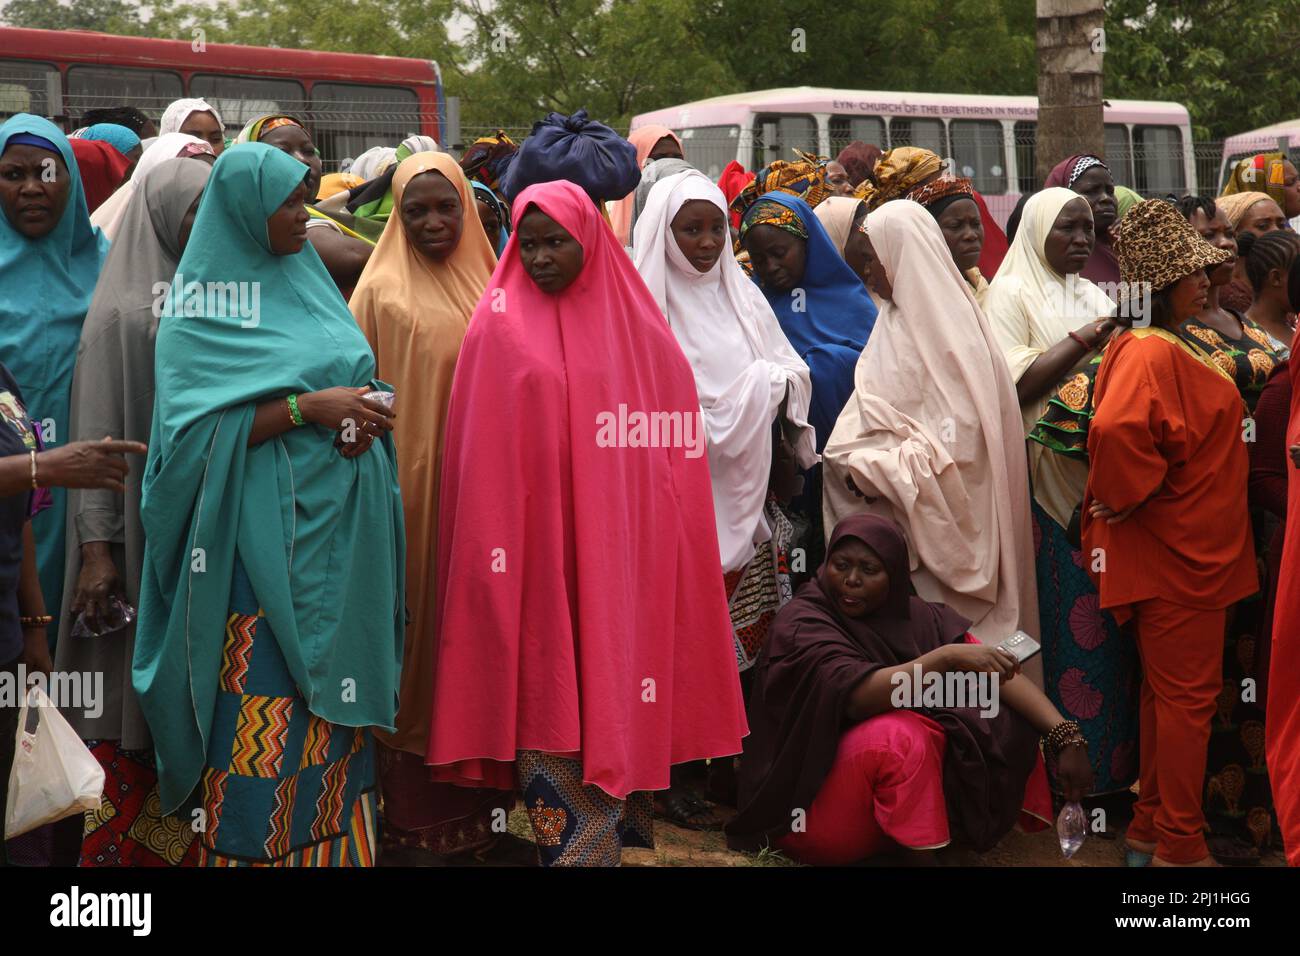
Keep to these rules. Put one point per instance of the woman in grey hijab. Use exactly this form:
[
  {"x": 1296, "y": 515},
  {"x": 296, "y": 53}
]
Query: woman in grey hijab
[
  {"x": 112, "y": 394},
  {"x": 651, "y": 174}
]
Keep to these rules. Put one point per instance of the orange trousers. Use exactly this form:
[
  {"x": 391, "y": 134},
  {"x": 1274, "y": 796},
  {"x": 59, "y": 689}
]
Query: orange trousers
[{"x": 1181, "y": 649}]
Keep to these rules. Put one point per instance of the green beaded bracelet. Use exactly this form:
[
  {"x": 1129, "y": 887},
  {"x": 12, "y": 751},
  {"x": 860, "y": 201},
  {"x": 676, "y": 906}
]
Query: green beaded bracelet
[{"x": 293, "y": 410}]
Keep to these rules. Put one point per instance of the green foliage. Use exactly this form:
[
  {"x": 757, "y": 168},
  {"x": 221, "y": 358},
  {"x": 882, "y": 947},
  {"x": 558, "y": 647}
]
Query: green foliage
[
  {"x": 1231, "y": 63},
  {"x": 511, "y": 61}
]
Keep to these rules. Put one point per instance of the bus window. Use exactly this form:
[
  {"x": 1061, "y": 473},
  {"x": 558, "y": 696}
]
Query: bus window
[
  {"x": 980, "y": 154},
  {"x": 1026, "y": 136},
  {"x": 862, "y": 129},
  {"x": 94, "y": 87},
  {"x": 1158, "y": 160},
  {"x": 792, "y": 132},
  {"x": 27, "y": 87},
  {"x": 240, "y": 99},
  {"x": 1119, "y": 155},
  {"x": 710, "y": 148},
  {"x": 349, "y": 118},
  {"x": 925, "y": 133}
]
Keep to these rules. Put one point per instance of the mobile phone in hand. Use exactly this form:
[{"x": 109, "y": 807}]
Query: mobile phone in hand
[{"x": 1021, "y": 646}]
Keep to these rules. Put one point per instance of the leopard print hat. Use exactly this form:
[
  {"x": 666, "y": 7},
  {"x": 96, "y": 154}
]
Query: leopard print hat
[{"x": 1157, "y": 246}]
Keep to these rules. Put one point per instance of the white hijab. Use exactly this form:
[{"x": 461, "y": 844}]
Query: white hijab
[
  {"x": 932, "y": 434},
  {"x": 108, "y": 217},
  {"x": 372, "y": 162},
  {"x": 836, "y": 214},
  {"x": 744, "y": 366},
  {"x": 178, "y": 111}
]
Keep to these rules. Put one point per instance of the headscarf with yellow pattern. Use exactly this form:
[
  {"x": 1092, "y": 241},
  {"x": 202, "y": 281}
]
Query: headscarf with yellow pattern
[
  {"x": 805, "y": 179},
  {"x": 898, "y": 171},
  {"x": 1261, "y": 173}
]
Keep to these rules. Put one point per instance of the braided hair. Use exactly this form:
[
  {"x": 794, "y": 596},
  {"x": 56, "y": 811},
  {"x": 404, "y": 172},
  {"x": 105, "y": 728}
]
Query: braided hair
[
  {"x": 1188, "y": 206},
  {"x": 1262, "y": 254}
]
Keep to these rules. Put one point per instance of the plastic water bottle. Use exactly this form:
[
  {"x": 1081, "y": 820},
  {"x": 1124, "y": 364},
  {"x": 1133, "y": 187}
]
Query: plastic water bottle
[{"x": 1071, "y": 827}]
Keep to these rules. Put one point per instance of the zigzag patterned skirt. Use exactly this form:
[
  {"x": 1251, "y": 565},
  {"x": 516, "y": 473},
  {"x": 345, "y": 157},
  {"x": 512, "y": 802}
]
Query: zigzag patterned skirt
[{"x": 281, "y": 786}]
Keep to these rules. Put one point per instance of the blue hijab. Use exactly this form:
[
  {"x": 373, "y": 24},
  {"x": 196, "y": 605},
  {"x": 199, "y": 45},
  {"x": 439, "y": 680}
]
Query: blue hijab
[
  {"x": 485, "y": 194},
  {"x": 119, "y": 137},
  {"x": 45, "y": 289},
  {"x": 321, "y": 537},
  {"x": 828, "y": 318}
]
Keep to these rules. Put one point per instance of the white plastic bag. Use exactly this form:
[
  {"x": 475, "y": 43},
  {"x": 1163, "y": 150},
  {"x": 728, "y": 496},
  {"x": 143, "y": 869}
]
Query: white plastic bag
[{"x": 53, "y": 775}]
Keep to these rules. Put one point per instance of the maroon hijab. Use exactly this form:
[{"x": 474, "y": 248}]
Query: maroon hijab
[
  {"x": 815, "y": 657},
  {"x": 1102, "y": 266}
]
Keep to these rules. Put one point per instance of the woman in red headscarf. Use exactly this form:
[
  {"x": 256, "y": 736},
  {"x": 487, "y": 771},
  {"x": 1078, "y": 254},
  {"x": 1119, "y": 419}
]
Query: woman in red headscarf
[
  {"x": 102, "y": 169},
  {"x": 585, "y": 646}
]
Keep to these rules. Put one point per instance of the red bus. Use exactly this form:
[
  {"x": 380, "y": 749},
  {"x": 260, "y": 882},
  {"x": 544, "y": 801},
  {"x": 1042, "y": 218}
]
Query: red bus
[{"x": 350, "y": 101}]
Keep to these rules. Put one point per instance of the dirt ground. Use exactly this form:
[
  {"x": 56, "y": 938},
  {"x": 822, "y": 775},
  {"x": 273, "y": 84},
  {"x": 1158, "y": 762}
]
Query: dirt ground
[{"x": 675, "y": 846}]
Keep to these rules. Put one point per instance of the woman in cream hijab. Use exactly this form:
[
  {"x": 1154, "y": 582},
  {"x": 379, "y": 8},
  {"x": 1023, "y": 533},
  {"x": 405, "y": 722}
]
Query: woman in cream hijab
[
  {"x": 1051, "y": 324},
  {"x": 932, "y": 435},
  {"x": 841, "y": 215},
  {"x": 413, "y": 302}
]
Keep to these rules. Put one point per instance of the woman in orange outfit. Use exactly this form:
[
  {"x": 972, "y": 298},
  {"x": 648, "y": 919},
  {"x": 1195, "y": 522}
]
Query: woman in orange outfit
[{"x": 1165, "y": 527}]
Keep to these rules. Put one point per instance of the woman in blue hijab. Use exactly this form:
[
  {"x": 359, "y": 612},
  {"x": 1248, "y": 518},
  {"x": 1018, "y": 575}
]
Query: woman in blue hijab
[
  {"x": 822, "y": 306},
  {"x": 50, "y": 257},
  {"x": 271, "y": 621}
]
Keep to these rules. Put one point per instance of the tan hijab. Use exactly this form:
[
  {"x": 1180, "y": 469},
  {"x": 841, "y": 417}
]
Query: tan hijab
[
  {"x": 836, "y": 214},
  {"x": 414, "y": 313},
  {"x": 932, "y": 436}
]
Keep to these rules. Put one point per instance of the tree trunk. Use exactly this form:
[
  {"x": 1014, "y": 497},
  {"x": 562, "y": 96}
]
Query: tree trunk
[{"x": 1071, "y": 41}]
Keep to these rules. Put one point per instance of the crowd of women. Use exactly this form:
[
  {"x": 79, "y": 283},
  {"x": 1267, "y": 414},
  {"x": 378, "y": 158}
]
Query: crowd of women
[{"x": 387, "y": 498}]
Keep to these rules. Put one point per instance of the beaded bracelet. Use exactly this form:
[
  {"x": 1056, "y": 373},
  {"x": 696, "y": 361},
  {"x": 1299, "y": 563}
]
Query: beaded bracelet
[
  {"x": 294, "y": 415},
  {"x": 36, "y": 620},
  {"x": 1064, "y": 734}
]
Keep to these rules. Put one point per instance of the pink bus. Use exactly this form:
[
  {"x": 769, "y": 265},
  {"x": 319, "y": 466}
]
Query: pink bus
[{"x": 987, "y": 138}]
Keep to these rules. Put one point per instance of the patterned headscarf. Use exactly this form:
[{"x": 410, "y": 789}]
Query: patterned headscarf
[
  {"x": 898, "y": 172},
  {"x": 1261, "y": 173},
  {"x": 766, "y": 212},
  {"x": 938, "y": 194},
  {"x": 254, "y": 130},
  {"x": 805, "y": 179},
  {"x": 488, "y": 158}
]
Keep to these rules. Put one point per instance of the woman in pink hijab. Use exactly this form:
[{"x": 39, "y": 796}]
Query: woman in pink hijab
[
  {"x": 651, "y": 142},
  {"x": 584, "y": 644}
]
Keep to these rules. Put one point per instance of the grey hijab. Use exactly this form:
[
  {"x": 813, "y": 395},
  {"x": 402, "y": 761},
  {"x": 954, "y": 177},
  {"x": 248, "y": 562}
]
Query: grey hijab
[
  {"x": 651, "y": 174},
  {"x": 112, "y": 394}
]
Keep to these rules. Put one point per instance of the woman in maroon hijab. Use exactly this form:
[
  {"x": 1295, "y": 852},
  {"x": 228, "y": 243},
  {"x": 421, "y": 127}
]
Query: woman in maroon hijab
[
  {"x": 835, "y": 771},
  {"x": 1090, "y": 178}
]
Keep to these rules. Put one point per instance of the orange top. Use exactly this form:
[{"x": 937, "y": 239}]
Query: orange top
[{"x": 1168, "y": 437}]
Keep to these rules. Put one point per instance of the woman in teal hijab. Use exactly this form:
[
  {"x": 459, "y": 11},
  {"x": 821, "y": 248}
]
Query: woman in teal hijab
[
  {"x": 272, "y": 602},
  {"x": 50, "y": 256}
]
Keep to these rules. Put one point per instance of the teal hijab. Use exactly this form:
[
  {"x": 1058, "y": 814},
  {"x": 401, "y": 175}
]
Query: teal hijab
[
  {"x": 320, "y": 536},
  {"x": 45, "y": 289}
]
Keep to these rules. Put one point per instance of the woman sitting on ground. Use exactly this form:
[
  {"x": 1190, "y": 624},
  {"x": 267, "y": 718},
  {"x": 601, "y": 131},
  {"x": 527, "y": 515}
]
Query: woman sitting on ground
[{"x": 834, "y": 771}]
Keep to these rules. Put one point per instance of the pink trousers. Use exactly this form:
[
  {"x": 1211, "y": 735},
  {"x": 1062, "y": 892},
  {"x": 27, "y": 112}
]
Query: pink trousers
[{"x": 885, "y": 789}]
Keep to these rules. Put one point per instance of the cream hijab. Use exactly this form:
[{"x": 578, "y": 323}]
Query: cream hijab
[
  {"x": 931, "y": 436},
  {"x": 836, "y": 214},
  {"x": 1031, "y": 307},
  {"x": 744, "y": 366},
  {"x": 108, "y": 217}
]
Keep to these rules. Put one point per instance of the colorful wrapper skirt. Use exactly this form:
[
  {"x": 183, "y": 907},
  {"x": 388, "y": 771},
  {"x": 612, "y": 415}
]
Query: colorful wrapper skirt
[
  {"x": 1090, "y": 668},
  {"x": 577, "y": 824},
  {"x": 281, "y": 787}
]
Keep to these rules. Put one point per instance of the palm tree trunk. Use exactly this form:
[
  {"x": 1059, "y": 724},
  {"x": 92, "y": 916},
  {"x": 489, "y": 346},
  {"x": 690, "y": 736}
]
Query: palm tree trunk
[{"x": 1071, "y": 41}]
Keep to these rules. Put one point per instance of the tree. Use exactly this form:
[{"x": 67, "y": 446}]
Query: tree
[
  {"x": 107, "y": 16},
  {"x": 614, "y": 58},
  {"x": 1071, "y": 39},
  {"x": 951, "y": 46},
  {"x": 1232, "y": 64}
]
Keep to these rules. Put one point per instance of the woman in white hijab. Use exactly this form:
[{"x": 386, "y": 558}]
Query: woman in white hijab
[
  {"x": 108, "y": 217},
  {"x": 196, "y": 117},
  {"x": 1051, "y": 324},
  {"x": 932, "y": 435},
  {"x": 754, "y": 393},
  {"x": 841, "y": 215}
]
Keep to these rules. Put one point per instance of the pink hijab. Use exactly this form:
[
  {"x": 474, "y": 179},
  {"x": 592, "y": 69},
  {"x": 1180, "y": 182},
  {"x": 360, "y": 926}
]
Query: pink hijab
[
  {"x": 644, "y": 139},
  {"x": 580, "y": 606}
]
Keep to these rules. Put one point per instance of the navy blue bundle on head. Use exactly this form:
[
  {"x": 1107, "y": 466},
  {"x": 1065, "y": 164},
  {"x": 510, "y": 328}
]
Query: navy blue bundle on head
[{"x": 581, "y": 150}]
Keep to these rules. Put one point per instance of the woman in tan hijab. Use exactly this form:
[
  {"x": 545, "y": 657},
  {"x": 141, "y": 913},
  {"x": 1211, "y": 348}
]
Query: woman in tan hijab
[
  {"x": 944, "y": 461},
  {"x": 413, "y": 302}
]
